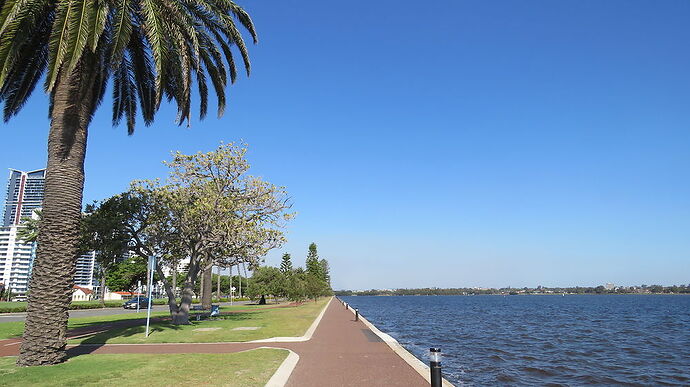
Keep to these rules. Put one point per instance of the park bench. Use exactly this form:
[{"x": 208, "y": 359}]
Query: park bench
[{"x": 215, "y": 311}]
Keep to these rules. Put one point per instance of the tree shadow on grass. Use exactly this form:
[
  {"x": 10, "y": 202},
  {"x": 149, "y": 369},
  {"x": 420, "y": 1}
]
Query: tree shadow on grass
[{"x": 117, "y": 332}]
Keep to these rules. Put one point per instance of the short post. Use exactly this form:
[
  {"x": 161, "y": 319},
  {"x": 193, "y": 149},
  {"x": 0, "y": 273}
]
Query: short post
[
  {"x": 356, "y": 314},
  {"x": 435, "y": 366},
  {"x": 345, "y": 303}
]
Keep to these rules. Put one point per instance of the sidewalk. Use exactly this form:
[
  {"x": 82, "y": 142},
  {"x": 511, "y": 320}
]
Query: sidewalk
[{"x": 341, "y": 352}]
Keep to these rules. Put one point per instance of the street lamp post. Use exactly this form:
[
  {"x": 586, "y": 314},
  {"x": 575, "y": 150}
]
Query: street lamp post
[{"x": 152, "y": 265}]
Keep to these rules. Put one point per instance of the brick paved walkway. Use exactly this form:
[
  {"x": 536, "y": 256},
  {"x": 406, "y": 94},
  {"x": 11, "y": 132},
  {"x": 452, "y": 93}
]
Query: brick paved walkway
[{"x": 342, "y": 352}]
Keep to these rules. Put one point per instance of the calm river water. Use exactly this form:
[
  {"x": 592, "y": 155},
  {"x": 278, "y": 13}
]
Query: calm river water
[{"x": 543, "y": 340}]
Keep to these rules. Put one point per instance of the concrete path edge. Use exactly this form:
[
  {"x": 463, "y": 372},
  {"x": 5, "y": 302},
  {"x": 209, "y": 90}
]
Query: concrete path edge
[
  {"x": 408, "y": 357},
  {"x": 282, "y": 374},
  {"x": 307, "y": 335}
]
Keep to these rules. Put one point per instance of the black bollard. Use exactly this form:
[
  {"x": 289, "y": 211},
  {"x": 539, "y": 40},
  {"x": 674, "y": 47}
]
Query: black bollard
[
  {"x": 435, "y": 366},
  {"x": 345, "y": 303},
  {"x": 356, "y": 314}
]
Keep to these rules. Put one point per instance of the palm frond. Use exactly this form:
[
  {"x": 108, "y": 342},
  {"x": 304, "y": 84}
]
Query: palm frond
[
  {"x": 245, "y": 20},
  {"x": 100, "y": 17},
  {"x": 80, "y": 28},
  {"x": 22, "y": 82},
  {"x": 216, "y": 80},
  {"x": 122, "y": 30},
  {"x": 228, "y": 56},
  {"x": 149, "y": 48},
  {"x": 59, "y": 40},
  {"x": 23, "y": 26},
  {"x": 143, "y": 75},
  {"x": 11, "y": 9},
  {"x": 153, "y": 28},
  {"x": 203, "y": 94},
  {"x": 237, "y": 39},
  {"x": 124, "y": 95}
]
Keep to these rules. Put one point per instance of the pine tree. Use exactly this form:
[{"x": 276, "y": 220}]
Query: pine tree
[
  {"x": 286, "y": 264},
  {"x": 313, "y": 265},
  {"x": 325, "y": 272}
]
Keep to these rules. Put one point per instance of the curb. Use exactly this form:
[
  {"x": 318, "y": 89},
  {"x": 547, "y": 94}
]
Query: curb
[
  {"x": 307, "y": 335},
  {"x": 293, "y": 339},
  {"x": 408, "y": 357},
  {"x": 282, "y": 374}
]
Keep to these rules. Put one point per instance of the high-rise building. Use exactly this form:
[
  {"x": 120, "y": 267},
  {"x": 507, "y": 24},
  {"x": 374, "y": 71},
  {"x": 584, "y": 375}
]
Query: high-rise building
[
  {"x": 16, "y": 260},
  {"x": 87, "y": 270},
  {"x": 24, "y": 195}
]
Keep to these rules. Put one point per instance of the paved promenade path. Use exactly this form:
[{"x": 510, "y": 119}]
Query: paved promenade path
[{"x": 342, "y": 352}]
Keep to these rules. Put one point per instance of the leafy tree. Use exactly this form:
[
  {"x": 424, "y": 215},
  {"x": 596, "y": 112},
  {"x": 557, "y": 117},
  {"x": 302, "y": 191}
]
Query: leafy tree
[
  {"x": 265, "y": 281},
  {"x": 126, "y": 275},
  {"x": 297, "y": 285},
  {"x": 149, "y": 49},
  {"x": 314, "y": 287},
  {"x": 106, "y": 235},
  {"x": 209, "y": 211},
  {"x": 236, "y": 279}
]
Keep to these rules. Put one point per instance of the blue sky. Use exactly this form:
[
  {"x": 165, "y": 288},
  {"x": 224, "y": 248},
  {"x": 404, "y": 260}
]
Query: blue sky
[{"x": 448, "y": 143}]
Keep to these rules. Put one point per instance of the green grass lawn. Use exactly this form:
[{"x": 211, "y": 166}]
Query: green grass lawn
[
  {"x": 250, "y": 368},
  {"x": 10, "y": 330},
  {"x": 290, "y": 321}
]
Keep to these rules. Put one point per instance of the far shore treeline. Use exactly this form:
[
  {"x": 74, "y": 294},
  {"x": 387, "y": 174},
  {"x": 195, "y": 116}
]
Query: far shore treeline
[{"x": 641, "y": 289}]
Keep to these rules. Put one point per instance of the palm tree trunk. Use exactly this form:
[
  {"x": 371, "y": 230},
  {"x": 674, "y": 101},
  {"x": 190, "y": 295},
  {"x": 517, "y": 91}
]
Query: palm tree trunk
[{"x": 52, "y": 276}]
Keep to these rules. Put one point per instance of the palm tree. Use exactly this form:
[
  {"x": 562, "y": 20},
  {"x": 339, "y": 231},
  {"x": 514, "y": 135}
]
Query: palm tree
[{"x": 149, "y": 48}]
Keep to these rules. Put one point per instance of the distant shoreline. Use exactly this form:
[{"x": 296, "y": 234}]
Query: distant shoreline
[
  {"x": 519, "y": 294},
  {"x": 541, "y": 291}
]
